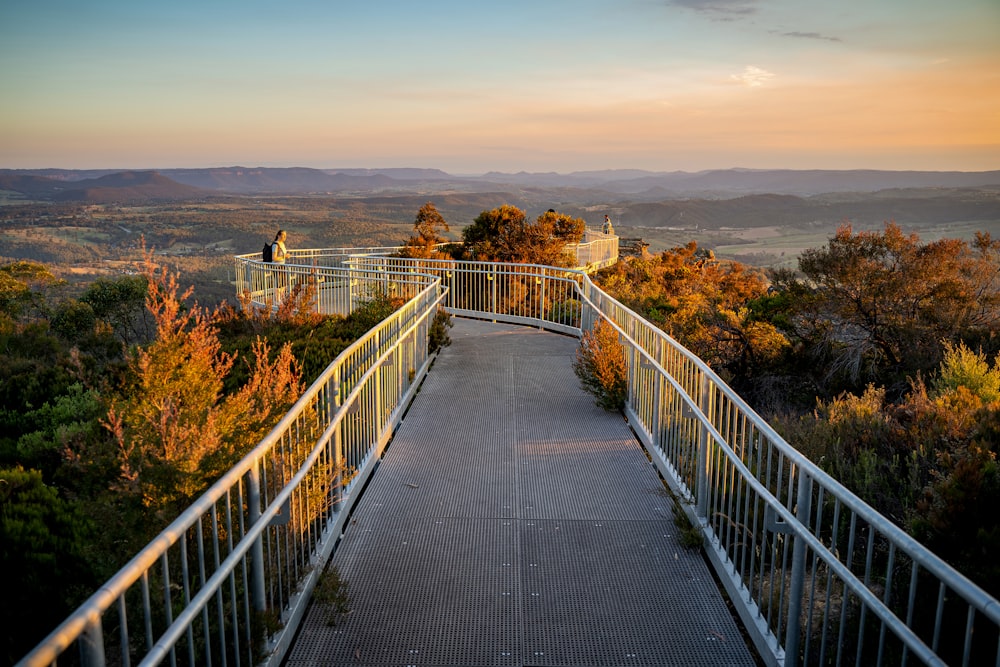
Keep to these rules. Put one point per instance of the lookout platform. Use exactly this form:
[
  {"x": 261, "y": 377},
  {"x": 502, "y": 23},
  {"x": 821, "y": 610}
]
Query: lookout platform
[{"x": 513, "y": 522}]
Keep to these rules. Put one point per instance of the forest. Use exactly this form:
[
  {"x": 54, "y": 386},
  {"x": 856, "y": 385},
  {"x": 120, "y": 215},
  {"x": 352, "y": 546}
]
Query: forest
[{"x": 123, "y": 396}]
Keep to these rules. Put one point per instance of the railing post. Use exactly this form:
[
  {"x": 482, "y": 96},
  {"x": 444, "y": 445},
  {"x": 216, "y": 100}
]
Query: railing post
[
  {"x": 657, "y": 408},
  {"x": 494, "y": 279},
  {"x": 633, "y": 375},
  {"x": 257, "y": 596},
  {"x": 541, "y": 296},
  {"x": 338, "y": 443},
  {"x": 704, "y": 404},
  {"x": 793, "y": 629},
  {"x": 92, "y": 643}
]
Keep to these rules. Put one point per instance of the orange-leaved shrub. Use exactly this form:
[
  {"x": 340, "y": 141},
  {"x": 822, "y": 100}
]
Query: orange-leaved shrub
[
  {"x": 601, "y": 366},
  {"x": 174, "y": 427}
]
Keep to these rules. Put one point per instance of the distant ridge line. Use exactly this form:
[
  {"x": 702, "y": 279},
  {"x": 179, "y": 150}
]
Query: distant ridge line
[{"x": 176, "y": 183}]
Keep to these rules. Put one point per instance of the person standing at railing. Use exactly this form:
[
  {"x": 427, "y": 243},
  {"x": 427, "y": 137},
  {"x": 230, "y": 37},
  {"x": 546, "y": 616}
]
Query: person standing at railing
[
  {"x": 278, "y": 255},
  {"x": 607, "y": 228},
  {"x": 278, "y": 250}
]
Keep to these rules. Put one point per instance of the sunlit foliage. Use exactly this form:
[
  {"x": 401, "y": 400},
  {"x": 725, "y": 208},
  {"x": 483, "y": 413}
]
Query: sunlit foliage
[
  {"x": 174, "y": 428},
  {"x": 601, "y": 366},
  {"x": 505, "y": 234},
  {"x": 427, "y": 233},
  {"x": 881, "y": 303},
  {"x": 703, "y": 303}
]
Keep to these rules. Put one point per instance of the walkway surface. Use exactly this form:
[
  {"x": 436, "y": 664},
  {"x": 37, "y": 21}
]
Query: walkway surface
[{"x": 512, "y": 522}]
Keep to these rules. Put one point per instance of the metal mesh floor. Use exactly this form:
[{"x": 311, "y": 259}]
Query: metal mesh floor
[{"x": 512, "y": 522}]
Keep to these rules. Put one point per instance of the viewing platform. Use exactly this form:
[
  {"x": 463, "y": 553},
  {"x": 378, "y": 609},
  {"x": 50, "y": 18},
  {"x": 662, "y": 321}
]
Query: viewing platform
[
  {"x": 483, "y": 511},
  {"x": 513, "y": 522}
]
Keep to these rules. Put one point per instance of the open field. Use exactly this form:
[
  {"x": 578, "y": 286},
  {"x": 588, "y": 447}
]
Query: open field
[
  {"x": 83, "y": 240},
  {"x": 780, "y": 247}
]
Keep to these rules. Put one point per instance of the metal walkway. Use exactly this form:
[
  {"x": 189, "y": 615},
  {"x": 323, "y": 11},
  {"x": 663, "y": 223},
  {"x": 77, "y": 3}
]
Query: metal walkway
[{"x": 512, "y": 522}]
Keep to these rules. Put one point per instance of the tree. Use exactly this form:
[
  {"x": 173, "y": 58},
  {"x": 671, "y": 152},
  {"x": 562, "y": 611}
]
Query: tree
[
  {"x": 883, "y": 302},
  {"x": 43, "y": 569},
  {"x": 564, "y": 226},
  {"x": 22, "y": 287},
  {"x": 121, "y": 303},
  {"x": 174, "y": 429},
  {"x": 504, "y": 234},
  {"x": 705, "y": 304},
  {"x": 428, "y": 226}
]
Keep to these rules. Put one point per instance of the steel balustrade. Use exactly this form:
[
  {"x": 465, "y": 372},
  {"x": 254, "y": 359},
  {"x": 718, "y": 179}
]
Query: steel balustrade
[
  {"x": 227, "y": 582},
  {"x": 817, "y": 576}
]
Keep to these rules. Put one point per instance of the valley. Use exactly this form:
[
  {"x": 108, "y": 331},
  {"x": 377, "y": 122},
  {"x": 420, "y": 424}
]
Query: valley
[{"x": 100, "y": 229}]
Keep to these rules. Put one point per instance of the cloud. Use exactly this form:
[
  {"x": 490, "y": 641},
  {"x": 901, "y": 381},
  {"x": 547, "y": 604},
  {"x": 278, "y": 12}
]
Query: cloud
[
  {"x": 728, "y": 8},
  {"x": 752, "y": 76},
  {"x": 810, "y": 35}
]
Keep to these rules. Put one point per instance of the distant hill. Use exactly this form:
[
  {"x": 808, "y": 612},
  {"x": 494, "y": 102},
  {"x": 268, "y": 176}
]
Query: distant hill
[
  {"x": 397, "y": 173},
  {"x": 29, "y": 184},
  {"x": 631, "y": 184},
  {"x": 802, "y": 182},
  {"x": 912, "y": 206},
  {"x": 267, "y": 180},
  {"x": 736, "y": 182},
  {"x": 126, "y": 186}
]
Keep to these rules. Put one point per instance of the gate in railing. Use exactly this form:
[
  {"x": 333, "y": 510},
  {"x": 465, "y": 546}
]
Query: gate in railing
[{"x": 817, "y": 576}]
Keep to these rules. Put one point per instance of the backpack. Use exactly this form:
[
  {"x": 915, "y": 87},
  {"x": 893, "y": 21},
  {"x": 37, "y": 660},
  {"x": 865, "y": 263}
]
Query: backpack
[{"x": 267, "y": 255}]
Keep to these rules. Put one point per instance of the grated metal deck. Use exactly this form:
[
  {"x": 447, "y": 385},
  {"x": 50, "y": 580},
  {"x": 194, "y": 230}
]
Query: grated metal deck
[{"x": 512, "y": 522}]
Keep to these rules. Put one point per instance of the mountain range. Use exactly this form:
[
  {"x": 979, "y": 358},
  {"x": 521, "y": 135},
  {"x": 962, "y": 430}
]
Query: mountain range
[{"x": 105, "y": 186}]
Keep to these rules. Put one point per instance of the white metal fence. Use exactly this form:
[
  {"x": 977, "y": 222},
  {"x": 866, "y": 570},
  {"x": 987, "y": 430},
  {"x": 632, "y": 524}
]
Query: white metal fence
[
  {"x": 228, "y": 581},
  {"x": 817, "y": 576}
]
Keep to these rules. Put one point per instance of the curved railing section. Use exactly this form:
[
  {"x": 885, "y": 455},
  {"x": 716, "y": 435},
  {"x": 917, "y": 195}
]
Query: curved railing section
[
  {"x": 817, "y": 575},
  {"x": 227, "y": 582}
]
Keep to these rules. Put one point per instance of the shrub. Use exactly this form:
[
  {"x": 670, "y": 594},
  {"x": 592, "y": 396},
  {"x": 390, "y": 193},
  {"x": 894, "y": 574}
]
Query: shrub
[
  {"x": 961, "y": 367},
  {"x": 331, "y": 592},
  {"x": 438, "y": 337},
  {"x": 601, "y": 366},
  {"x": 42, "y": 559}
]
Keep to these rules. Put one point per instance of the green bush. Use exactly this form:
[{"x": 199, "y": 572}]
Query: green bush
[
  {"x": 438, "y": 337},
  {"x": 961, "y": 367},
  {"x": 43, "y": 569}
]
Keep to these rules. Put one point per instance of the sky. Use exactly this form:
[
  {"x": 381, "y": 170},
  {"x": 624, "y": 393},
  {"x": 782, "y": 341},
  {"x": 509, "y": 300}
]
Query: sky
[{"x": 519, "y": 85}]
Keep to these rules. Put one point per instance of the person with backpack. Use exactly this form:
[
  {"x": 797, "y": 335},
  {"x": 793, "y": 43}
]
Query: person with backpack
[
  {"x": 278, "y": 250},
  {"x": 276, "y": 253}
]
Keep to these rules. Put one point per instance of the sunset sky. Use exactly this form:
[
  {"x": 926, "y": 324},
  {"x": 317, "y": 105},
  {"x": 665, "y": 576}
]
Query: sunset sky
[{"x": 470, "y": 87}]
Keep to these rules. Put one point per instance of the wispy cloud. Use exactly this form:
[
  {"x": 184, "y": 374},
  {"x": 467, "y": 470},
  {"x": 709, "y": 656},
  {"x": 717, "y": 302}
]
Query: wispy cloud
[
  {"x": 752, "y": 76},
  {"x": 810, "y": 35},
  {"x": 721, "y": 8}
]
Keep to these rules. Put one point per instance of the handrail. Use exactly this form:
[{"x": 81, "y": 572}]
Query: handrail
[
  {"x": 816, "y": 574},
  {"x": 807, "y": 563},
  {"x": 246, "y": 555}
]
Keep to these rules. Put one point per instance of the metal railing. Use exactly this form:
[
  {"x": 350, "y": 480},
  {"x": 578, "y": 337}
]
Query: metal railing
[
  {"x": 328, "y": 289},
  {"x": 227, "y": 582},
  {"x": 817, "y": 576},
  {"x": 596, "y": 251}
]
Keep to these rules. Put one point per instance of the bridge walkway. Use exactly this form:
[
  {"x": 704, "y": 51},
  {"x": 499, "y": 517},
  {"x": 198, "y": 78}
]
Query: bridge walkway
[{"x": 512, "y": 522}]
